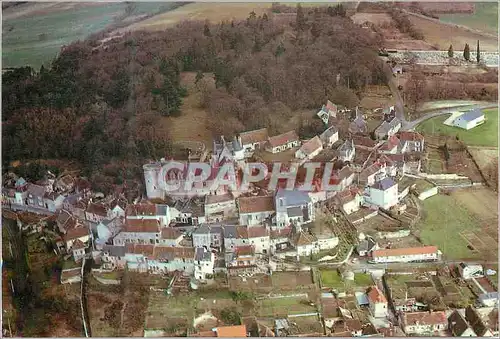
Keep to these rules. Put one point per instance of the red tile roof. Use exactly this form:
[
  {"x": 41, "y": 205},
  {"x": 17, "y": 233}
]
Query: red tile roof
[
  {"x": 78, "y": 244},
  {"x": 363, "y": 142},
  {"x": 256, "y": 204},
  {"x": 239, "y": 331},
  {"x": 244, "y": 250},
  {"x": 146, "y": 250},
  {"x": 283, "y": 139},
  {"x": 376, "y": 296},
  {"x": 312, "y": 145},
  {"x": 170, "y": 233},
  {"x": 405, "y": 251},
  {"x": 98, "y": 209},
  {"x": 410, "y": 136},
  {"x": 256, "y": 136},
  {"x": 141, "y": 209},
  {"x": 257, "y": 232},
  {"x": 425, "y": 318},
  {"x": 75, "y": 233},
  {"x": 173, "y": 252},
  {"x": 142, "y": 226}
]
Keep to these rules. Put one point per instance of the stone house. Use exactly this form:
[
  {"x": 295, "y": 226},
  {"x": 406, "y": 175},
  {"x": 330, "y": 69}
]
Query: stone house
[
  {"x": 388, "y": 128},
  {"x": 35, "y": 196},
  {"x": 283, "y": 142},
  {"x": 223, "y": 205},
  {"x": 146, "y": 211},
  {"x": 309, "y": 149},
  {"x": 389, "y": 146},
  {"x": 330, "y": 136},
  {"x": 204, "y": 262},
  {"x": 347, "y": 151},
  {"x": 65, "y": 183},
  {"x": 137, "y": 256},
  {"x": 108, "y": 228},
  {"x": 117, "y": 208},
  {"x": 241, "y": 260},
  {"x": 258, "y": 237},
  {"x": 235, "y": 236},
  {"x": 53, "y": 201},
  {"x": 170, "y": 259},
  {"x": 78, "y": 250},
  {"x": 146, "y": 231},
  {"x": 170, "y": 237},
  {"x": 208, "y": 236},
  {"x": 254, "y": 211},
  {"x": 349, "y": 200},
  {"x": 377, "y": 302},
  {"x": 293, "y": 207},
  {"x": 382, "y": 194},
  {"x": 411, "y": 142},
  {"x": 253, "y": 140},
  {"x": 80, "y": 233},
  {"x": 420, "y": 323},
  {"x": 371, "y": 174},
  {"x": 113, "y": 257},
  {"x": 458, "y": 326},
  {"x": 96, "y": 212}
]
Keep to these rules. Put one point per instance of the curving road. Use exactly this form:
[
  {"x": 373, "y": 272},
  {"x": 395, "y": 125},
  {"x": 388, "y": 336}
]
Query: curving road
[
  {"x": 410, "y": 125},
  {"x": 400, "y": 111}
]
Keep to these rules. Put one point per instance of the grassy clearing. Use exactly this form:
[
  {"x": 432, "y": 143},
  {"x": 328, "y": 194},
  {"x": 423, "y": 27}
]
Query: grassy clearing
[
  {"x": 36, "y": 38},
  {"x": 442, "y": 223},
  {"x": 284, "y": 306},
  {"x": 332, "y": 279},
  {"x": 484, "y": 18},
  {"x": 483, "y": 135}
]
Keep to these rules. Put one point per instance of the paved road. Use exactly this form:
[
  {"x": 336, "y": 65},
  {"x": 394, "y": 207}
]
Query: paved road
[
  {"x": 399, "y": 105},
  {"x": 441, "y": 111}
]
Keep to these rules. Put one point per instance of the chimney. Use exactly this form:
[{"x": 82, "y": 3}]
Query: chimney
[
  {"x": 239, "y": 140},
  {"x": 222, "y": 139}
]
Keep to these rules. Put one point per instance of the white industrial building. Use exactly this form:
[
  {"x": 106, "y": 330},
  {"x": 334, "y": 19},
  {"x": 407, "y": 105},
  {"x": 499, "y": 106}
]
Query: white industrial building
[
  {"x": 469, "y": 119},
  {"x": 425, "y": 253}
]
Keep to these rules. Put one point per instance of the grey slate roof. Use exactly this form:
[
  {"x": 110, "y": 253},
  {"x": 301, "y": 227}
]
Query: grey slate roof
[
  {"x": 36, "y": 190},
  {"x": 472, "y": 114},
  {"x": 230, "y": 232},
  {"x": 328, "y": 133},
  {"x": 366, "y": 244},
  {"x": 208, "y": 229},
  {"x": 202, "y": 254},
  {"x": 294, "y": 212},
  {"x": 292, "y": 198},
  {"x": 114, "y": 251},
  {"x": 161, "y": 209},
  {"x": 384, "y": 184}
]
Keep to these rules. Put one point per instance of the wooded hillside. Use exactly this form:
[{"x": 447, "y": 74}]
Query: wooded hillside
[{"x": 100, "y": 102}]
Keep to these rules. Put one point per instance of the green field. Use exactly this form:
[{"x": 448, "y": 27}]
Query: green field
[
  {"x": 442, "y": 222},
  {"x": 483, "y": 135},
  {"x": 36, "y": 40},
  {"x": 284, "y": 306},
  {"x": 485, "y": 18},
  {"x": 332, "y": 279}
]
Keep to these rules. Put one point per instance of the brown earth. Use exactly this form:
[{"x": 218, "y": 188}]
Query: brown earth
[
  {"x": 442, "y": 35},
  {"x": 214, "y": 12}
]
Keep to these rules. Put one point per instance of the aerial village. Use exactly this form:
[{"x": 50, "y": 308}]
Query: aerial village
[{"x": 346, "y": 262}]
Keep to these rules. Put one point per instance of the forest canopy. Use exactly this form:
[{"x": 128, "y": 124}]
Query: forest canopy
[{"x": 100, "y": 102}]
